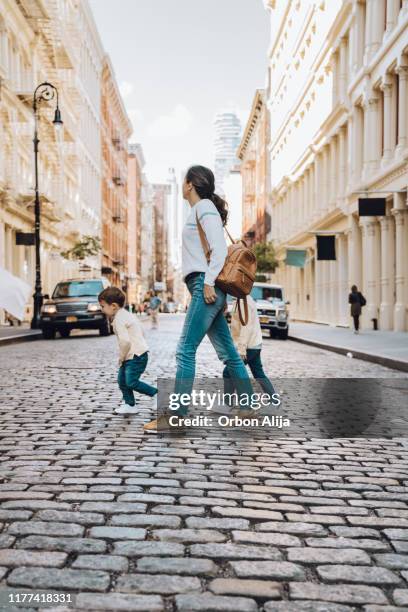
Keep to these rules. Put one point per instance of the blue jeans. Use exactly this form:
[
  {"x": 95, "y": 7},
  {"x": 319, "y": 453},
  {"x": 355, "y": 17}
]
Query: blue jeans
[
  {"x": 129, "y": 379},
  {"x": 253, "y": 359},
  {"x": 202, "y": 319}
]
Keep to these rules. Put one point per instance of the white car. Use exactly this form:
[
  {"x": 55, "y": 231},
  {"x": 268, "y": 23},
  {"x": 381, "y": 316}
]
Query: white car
[{"x": 271, "y": 306}]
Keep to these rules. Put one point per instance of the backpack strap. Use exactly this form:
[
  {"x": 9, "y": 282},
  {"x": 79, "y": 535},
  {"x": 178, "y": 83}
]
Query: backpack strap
[
  {"x": 203, "y": 239},
  {"x": 229, "y": 235},
  {"x": 243, "y": 319}
]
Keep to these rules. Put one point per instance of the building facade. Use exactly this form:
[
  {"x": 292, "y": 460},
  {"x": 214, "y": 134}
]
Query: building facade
[
  {"x": 116, "y": 130},
  {"x": 136, "y": 164},
  {"x": 147, "y": 239},
  {"x": 161, "y": 193},
  {"x": 86, "y": 85},
  {"x": 254, "y": 155},
  {"x": 28, "y": 57},
  {"x": 43, "y": 41},
  {"x": 227, "y": 136},
  {"x": 343, "y": 135}
]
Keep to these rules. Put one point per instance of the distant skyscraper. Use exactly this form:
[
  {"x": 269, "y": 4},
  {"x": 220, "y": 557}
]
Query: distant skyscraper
[{"x": 227, "y": 128}]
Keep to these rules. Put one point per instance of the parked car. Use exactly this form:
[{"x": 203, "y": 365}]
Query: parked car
[
  {"x": 272, "y": 309},
  {"x": 169, "y": 307},
  {"x": 74, "y": 305}
]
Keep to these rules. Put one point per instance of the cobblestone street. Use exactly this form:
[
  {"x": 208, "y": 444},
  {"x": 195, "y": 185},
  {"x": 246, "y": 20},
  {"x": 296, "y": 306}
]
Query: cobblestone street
[{"x": 129, "y": 521}]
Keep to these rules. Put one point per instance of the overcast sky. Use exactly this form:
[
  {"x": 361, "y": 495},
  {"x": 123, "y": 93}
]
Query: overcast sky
[{"x": 177, "y": 63}]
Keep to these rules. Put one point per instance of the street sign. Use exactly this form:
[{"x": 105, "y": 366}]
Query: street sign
[
  {"x": 160, "y": 286},
  {"x": 326, "y": 248},
  {"x": 371, "y": 207},
  {"x": 25, "y": 239}
]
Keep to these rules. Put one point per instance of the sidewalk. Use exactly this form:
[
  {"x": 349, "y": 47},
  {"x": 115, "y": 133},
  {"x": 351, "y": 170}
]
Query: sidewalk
[
  {"x": 12, "y": 335},
  {"x": 387, "y": 348}
]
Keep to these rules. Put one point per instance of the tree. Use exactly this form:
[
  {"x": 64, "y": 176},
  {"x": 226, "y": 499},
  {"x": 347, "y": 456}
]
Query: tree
[
  {"x": 88, "y": 246},
  {"x": 265, "y": 257}
]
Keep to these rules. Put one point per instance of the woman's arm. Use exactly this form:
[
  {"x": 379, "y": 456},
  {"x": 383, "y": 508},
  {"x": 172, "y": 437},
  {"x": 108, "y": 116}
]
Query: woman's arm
[{"x": 211, "y": 223}]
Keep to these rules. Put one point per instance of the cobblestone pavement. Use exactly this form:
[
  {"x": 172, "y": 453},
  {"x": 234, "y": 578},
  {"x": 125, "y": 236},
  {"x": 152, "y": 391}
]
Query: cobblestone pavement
[{"x": 128, "y": 521}]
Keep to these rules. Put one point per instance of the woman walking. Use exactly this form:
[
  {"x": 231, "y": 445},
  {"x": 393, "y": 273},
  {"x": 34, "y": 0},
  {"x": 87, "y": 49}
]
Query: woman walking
[
  {"x": 357, "y": 300},
  {"x": 205, "y": 313}
]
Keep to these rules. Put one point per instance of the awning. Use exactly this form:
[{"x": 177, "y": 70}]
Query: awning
[{"x": 296, "y": 257}]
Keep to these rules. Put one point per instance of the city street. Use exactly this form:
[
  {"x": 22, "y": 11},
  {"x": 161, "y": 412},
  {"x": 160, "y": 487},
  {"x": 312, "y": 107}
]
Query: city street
[{"x": 129, "y": 521}]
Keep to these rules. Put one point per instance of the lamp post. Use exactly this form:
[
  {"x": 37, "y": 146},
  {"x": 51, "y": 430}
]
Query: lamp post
[{"x": 44, "y": 91}]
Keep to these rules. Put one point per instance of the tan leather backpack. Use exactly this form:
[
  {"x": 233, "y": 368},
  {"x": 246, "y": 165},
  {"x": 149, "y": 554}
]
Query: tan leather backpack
[{"x": 238, "y": 273}]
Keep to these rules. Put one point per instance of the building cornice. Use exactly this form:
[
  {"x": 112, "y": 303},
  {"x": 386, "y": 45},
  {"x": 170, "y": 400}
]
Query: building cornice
[
  {"x": 256, "y": 109},
  {"x": 107, "y": 66}
]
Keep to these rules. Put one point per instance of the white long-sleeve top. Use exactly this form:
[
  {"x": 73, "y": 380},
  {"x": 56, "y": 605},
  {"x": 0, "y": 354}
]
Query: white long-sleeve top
[
  {"x": 247, "y": 336},
  {"x": 193, "y": 256},
  {"x": 129, "y": 333}
]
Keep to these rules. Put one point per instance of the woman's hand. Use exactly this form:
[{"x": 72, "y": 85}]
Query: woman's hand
[{"x": 209, "y": 294}]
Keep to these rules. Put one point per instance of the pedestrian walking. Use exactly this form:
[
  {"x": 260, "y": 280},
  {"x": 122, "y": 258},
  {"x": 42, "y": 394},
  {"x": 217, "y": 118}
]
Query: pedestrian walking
[
  {"x": 248, "y": 340},
  {"x": 133, "y": 349},
  {"x": 357, "y": 301},
  {"x": 154, "y": 305},
  {"x": 205, "y": 312}
]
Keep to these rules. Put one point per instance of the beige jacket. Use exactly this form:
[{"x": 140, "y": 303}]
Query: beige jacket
[
  {"x": 249, "y": 335},
  {"x": 129, "y": 333}
]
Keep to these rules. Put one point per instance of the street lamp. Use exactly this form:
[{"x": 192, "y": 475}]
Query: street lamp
[{"x": 44, "y": 91}]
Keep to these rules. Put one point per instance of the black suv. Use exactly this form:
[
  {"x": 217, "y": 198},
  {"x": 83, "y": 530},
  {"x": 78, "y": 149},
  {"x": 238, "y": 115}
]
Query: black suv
[{"x": 74, "y": 305}]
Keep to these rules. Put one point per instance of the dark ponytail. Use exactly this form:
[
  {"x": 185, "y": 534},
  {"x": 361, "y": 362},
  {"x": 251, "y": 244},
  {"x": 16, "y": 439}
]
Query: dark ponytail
[{"x": 203, "y": 181}]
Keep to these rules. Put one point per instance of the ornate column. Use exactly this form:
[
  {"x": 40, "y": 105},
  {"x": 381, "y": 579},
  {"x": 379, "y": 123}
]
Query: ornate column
[
  {"x": 387, "y": 272},
  {"x": 333, "y": 269},
  {"x": 351, "y": 151},
  {"x": 368, "y": 30},
  {"x": 324, "y": 298},
  {"x": 325, "y": 181},
  {"x": 343, "y": 70},
  {"x": 333, "y": 172},
  {"x": 334, "y": 62},
  {"x": 354, "y": 245},
  {"x": 402, "y": 71},
  {"x": 311, "y": 193},
  {"x": 375, "y": 10},
  {"x": 400, "y": 213},
  {"x": 317, "y": 186},
  {"x": 371, "y": 135},
  {"x": 342, "y": 165},
  {"x": 342, "y": 279},
  {"x": 393, "y": 8},
  {"x": 359, "y": 40},
  {"x": 386, "y": 86},
  {"x": 353, "y": 41},
  {"x": 372, "y": 257}
]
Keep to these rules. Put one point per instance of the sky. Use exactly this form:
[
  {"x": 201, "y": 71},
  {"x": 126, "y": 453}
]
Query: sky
[{"x": 177, "y": 63}]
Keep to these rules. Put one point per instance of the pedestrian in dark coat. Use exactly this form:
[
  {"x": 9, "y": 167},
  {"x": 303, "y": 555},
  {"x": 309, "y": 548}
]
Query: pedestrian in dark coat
[{"x": 356, "y": 301}]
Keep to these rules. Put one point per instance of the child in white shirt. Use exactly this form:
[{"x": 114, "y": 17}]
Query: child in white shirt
[
  {"x": 248, "y": 340},
  {"x": 133, "y": 349}
]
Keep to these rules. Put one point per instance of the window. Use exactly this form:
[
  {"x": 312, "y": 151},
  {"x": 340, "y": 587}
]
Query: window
[{"x": 77, "y": 289}]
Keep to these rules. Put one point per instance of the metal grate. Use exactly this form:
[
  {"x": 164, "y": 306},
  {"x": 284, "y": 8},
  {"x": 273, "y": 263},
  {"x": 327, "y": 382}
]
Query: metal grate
[{"x": 72, "y": 307}]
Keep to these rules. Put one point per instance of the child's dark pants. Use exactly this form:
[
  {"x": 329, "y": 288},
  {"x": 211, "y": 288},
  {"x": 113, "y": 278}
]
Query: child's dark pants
[
  {"x": 129, "y": 379},
  {"x": 253, "y": 359}
]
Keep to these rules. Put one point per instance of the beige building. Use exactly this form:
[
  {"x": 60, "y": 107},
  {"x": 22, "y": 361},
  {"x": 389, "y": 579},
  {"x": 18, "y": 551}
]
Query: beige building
[
  {"x": 116, "y": 130},
  {"x": 337, "y": 95},
  {"x": 136, "y": 164},
  {"x": 42, "y": 41},
  {"x": 254, "y": 155}
]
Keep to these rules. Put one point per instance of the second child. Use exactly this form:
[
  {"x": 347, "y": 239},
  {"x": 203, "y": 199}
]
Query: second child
[{"x": 248, "y": 340}]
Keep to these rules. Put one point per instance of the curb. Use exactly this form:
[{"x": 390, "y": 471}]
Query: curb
[
  {"x": 388, "y": 362},
  {"x": 20, "y": 338}
]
